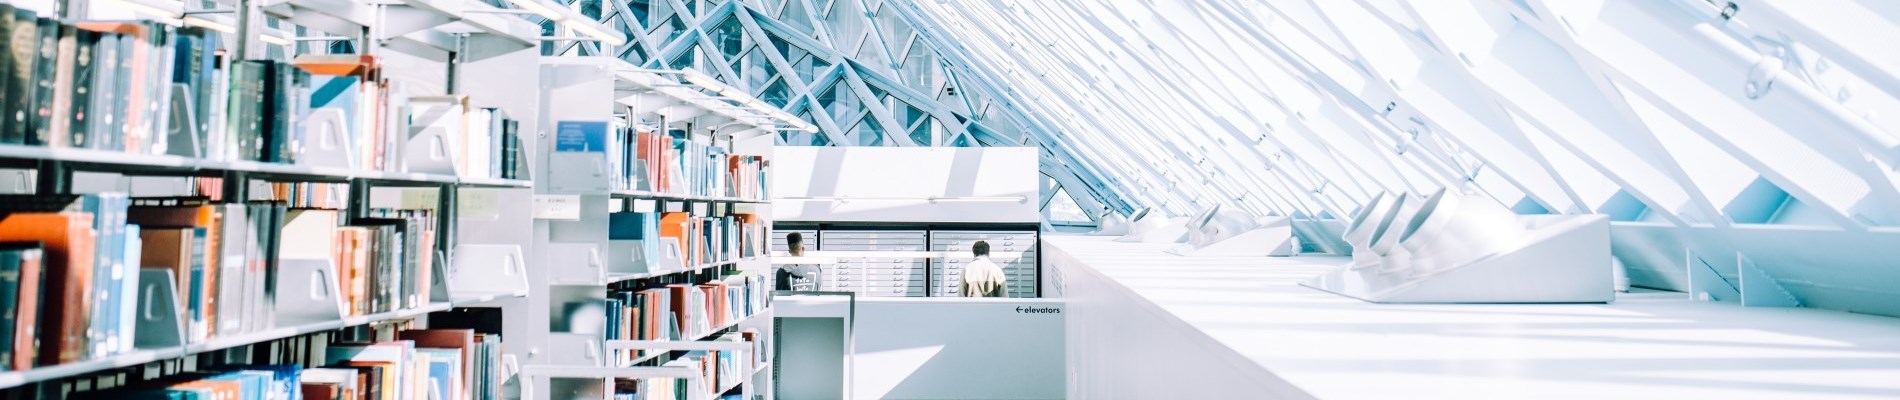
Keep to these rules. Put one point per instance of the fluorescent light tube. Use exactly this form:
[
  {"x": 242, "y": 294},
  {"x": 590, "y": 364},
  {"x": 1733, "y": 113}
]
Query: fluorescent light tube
[
  {"x": 702, "y": 80},
  {"x": 590, "y": 28},
  {"x": 535, "y": 6},
  {"x": 209, "y": 24},
  {"x": 274, "y": 39},
  {"x": 147, "y": 9}
]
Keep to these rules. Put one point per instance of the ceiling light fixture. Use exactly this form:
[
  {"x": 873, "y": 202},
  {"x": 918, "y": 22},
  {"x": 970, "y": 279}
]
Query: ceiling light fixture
[{"x": 535, "y": 6}]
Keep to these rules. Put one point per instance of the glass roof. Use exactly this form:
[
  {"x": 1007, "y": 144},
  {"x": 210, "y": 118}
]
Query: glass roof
[{"x": 1693, "y": 114}]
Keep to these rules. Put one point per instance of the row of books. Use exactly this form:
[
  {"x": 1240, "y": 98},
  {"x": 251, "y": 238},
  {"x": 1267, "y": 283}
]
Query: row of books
[
  {"x": 671, "y": 163},
  {"x": 683, "y": 311},
  {"x": 69, "y": 267},
  {"x": 697, "y": 240},
  {"x": 241, "y": 382},
  {"x": 145, "y": 87},
  {"x": 90, "y": 84},
  {"x": 385, "y": 262},
  {"x": 71, "y": 271},
  {"x": 439, "y": 364},
  {"x": 443, "y": 364},
  {"x": 67, "y": 278},
  {"x": 719, "y": 373}
]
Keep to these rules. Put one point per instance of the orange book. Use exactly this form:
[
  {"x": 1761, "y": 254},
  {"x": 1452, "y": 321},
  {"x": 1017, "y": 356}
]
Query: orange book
[
  {"x": 675, "y": 225},
  {"x": 651, "y": 317},
  {"x": 220, "y": 389},
  {"x": 336, "y": 64},
  {"x": 679, "y": 292},
  {"x": 68, "y": 240}
]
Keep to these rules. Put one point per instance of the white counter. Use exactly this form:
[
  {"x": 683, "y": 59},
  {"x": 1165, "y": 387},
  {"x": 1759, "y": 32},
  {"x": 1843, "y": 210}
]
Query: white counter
[{"x": 1146, "y": 324}]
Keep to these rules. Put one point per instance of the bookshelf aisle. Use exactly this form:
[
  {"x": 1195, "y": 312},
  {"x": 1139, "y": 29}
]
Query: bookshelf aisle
[
  {"x": 656, "y": 263},
  {"x": 240, "y": 200}
]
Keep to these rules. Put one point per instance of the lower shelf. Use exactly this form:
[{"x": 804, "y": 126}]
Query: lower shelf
[
  {"x": 708, "y": 334},
  {"x": 10, "y": 379}
]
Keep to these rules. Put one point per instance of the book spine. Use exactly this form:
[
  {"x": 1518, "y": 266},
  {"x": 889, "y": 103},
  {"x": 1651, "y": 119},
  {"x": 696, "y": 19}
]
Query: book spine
[
  {"x": 65, "y": 67},
  {"x": 196, "y": 283},
  {"x": 105, "y": 93},
  {"x": 123, "y": 112},
  {"x": 26, "y": 329},
  {"x": 128, "y": 285},
  {"x": 46, "y": 57},
  {"x": 19, "y": 93},
  {"x": 9, "y": 300}
]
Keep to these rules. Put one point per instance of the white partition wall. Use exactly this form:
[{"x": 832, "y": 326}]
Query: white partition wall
[
  {"x": 905, "y": 184},
  {"x": 959, "y": 349}
]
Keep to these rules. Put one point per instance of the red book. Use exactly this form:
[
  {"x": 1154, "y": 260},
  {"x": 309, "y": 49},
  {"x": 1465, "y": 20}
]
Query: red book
[{"x": 28, "y": 307}]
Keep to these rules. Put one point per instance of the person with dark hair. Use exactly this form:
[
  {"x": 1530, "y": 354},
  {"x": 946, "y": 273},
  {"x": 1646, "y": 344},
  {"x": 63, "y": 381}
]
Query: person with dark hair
[
  {"x": 802, "y": 277},
  {"x": 982, "y": 278}
]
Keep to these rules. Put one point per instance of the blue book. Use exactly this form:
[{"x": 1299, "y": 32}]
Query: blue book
[
  {"x": 10, "y": 256},
  {"x": 281, "y": 380},
  {"x": 128, "y": 290},
  {"x": 109, "y": 273},
  {"x": 445, "y": 371},
  {"x": 340, "y": 92}
]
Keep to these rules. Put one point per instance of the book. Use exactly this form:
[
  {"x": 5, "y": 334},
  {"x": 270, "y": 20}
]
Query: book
[
  {"x": 79, "y": 104},
  {"x": 19, "y": 286},
  {"x": 104, "y": 121},
  {"x": 23, "y": 39},
  {"x": 66, "y": 69},
  {"x": 246, "y": 110},
  {"x": 46, "y": 58}
]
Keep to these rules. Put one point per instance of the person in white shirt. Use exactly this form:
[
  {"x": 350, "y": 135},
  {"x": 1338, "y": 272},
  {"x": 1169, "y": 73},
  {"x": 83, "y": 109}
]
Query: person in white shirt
[{"x": 982, "y": 278}]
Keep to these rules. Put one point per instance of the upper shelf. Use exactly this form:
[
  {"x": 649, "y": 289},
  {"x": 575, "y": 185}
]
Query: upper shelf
[
  {"x": 146, "y": 164},
  {"x": 642, "y": 194},
  {"x": 433, "y": 23}
]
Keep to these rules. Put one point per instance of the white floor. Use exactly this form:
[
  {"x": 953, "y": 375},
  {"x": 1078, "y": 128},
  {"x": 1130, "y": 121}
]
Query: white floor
[{"x": 1647, "y": 345}]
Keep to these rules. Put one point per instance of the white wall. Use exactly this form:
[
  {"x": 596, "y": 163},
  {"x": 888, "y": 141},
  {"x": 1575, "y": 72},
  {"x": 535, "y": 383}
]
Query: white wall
[
  {"x": 945, "y": 348},
  {"x": 892, "y": 184}
]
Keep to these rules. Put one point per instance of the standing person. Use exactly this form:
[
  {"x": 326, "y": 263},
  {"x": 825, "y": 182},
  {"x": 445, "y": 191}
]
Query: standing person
[
  {"x": 801, "y": 277},
  {"x": 982, "y": 278}
]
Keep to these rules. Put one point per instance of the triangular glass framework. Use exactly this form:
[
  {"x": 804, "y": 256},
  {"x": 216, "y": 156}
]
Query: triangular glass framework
[
  {"x": 1688, "y": 113},
  {"x": 863, "y": 71}
]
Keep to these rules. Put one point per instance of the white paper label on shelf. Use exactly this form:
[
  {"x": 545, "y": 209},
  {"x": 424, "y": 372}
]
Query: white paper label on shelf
[
  {"x": 481, "y": 204},
  {"x": 745, "y": 208},
  {"x": 421, "y": 199},
  {"x": 557, "y": 206}
]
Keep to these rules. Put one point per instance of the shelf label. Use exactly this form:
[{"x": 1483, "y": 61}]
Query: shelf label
[
  {"x": 566, "y": 207},
  {"x": 580, "y": 137},
  {"x": 479, "y": 204},
  {"x": 421, "y": 199}
]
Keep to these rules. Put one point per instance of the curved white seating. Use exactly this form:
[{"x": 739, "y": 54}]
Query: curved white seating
[
  {"x": 1451, "y": 228},
  {"x": 1359, "y": 232}
]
